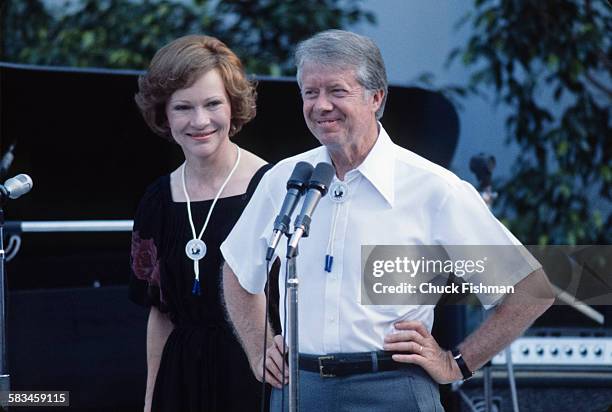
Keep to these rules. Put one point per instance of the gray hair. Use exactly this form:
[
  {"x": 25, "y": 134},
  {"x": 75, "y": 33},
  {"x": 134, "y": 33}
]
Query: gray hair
[{"x": 343, "y": 49}]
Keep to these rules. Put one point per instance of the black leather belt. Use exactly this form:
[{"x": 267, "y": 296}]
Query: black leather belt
[{"x": 343, "y": 364}]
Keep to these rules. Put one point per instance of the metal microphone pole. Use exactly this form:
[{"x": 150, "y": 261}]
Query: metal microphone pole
[
  {"x": 12, "y": 188},
  {"x": 320, "y": 180},
  {"x": 292, "y": 329},
  {"x": 5, "y": 384}
]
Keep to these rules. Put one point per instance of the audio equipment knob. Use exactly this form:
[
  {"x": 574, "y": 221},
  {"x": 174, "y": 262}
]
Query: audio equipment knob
[
  {"x": 554, "y": 351},
  {"x": 525, "y": 350},
  {"x": 598, "y": 351},
  {"x": 539, "y": 350},
  {"x": 583, "y": 350},
  {"x": 568, "y": 350}
]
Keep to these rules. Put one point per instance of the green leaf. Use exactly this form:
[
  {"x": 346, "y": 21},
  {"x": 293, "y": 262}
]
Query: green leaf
[
  {"x": 606, "y": 173},
  {"x": 468, "y": 57},
  {"x": 87, "y": 40},
  {"x": 565, "y": 191},
  {"x": 562, "y": 148},
  {"x": 552, "y": 62},
  {"x": 597, "y": 219}
]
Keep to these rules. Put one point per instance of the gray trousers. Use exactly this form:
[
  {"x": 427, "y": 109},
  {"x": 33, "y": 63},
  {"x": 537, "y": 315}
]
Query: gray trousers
[{"x": 407, "y": 389}]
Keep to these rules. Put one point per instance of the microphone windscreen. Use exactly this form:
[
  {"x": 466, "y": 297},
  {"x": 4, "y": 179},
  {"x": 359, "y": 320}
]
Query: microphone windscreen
[
  {"x": 322, "y": 176},
  {"x": 300, "y": 175},
  {"x": 18, "y": 185}
]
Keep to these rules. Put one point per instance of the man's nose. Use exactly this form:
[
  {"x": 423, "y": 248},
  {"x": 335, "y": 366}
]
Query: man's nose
[{"x": 323, "y": 104}]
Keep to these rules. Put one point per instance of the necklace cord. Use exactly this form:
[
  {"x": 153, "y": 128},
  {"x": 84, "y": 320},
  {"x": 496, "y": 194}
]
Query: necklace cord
[{"x": 196, "y": 266}]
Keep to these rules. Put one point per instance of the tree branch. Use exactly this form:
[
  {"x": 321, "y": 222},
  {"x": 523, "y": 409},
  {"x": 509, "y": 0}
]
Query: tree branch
[
  {"x": 597, "y": 84},
  {"x": 604, "y": 58}
]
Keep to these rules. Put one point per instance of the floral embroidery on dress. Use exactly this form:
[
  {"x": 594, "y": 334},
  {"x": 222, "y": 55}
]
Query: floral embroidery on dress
[{"x": 144, "y": 259}]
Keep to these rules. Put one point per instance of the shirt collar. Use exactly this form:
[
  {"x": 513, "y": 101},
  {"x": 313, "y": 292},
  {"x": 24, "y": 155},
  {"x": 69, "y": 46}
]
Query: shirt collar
[{"x": 378, "y": 167}]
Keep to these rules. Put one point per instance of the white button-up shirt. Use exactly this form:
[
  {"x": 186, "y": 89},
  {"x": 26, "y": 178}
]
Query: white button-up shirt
[{"x": 395, "y": 197}]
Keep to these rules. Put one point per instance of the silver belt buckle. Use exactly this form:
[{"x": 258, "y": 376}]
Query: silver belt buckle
[{"x": 323, "y": 374}]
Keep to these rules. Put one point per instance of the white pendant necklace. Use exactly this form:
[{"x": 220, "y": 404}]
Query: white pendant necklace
[{"x": 195, "y": 249}]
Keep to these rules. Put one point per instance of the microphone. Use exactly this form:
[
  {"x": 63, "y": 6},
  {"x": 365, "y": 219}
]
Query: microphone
[
  {"x": 317, "y": 188},
  {"x": 296, "y": 186},
  {"x": 17, "y": 186}
]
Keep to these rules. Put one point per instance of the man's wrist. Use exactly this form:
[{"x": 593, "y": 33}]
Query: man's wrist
[
  {"x": 464, "y": 370},
  {"x": 455, "y": 371}
]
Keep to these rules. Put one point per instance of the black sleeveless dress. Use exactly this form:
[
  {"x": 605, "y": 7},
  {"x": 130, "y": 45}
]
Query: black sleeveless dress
[{"x": 203, "y": 366}]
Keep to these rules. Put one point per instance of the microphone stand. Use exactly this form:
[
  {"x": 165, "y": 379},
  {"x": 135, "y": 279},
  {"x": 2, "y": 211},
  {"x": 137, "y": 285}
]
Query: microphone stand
[
  {"x": 320, "y": 180},
  {"x": 292, "y": 328},
  {"x": 4, "y": 375},
  {"x": 20, "y": 185},
  {"x": 482, "y": 166}
]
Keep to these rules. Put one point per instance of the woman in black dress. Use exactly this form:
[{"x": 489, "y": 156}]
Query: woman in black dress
[{"x": 196, "y": 94}]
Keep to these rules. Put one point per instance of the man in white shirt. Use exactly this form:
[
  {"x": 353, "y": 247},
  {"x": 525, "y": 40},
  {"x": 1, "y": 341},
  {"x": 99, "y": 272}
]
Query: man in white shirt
[{"x": 384, "y": 195}]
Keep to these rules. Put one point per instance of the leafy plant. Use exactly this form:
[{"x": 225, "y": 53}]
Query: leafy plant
[
  {"x": 550, "y": 61},
  {"x": 126, "y": 34}
]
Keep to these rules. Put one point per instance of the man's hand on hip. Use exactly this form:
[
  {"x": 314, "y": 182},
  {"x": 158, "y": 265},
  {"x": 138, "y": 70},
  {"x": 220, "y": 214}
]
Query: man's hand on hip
[{"x": 418, "y": 347}]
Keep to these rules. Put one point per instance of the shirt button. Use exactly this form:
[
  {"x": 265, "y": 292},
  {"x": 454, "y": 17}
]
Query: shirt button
[{"x": 332, "y": 319}]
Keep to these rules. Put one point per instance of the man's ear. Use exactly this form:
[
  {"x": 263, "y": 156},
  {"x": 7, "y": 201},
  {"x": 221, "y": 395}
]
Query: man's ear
[{"x": 377, "y": 99}]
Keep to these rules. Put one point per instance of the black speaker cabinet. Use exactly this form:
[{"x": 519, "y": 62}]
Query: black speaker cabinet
[
  {"x": 558, "y": 390},
  {"x": 89, "y": 341}
]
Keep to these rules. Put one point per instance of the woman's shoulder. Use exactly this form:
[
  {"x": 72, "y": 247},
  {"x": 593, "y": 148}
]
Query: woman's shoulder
[
  {"x": 254, "y": 169},
  {"x": 156, "y": 190},
  {"x": 153, "y": 199},
  {"x": 252, "y": 163}
]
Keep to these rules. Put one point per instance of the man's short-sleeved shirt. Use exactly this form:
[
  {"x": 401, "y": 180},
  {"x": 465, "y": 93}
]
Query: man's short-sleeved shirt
[{"x": 394, "y": 197}]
